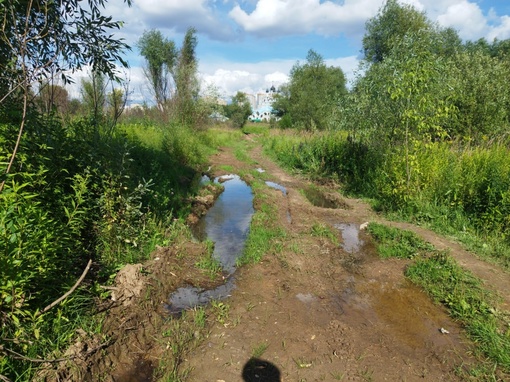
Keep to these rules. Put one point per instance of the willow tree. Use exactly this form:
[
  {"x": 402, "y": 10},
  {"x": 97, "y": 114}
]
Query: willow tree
[
  {"x": 45, "y": 38},
  {"x": 160, "y": 55}
]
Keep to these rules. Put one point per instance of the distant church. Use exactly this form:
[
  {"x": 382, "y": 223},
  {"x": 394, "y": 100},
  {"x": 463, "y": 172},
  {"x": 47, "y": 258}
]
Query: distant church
[{"x": 262, "y": 105}]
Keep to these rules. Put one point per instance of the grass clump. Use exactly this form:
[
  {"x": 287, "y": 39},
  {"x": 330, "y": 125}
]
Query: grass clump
[
  {"x": 324, "y": 231},
  {"x": 264, "y": 237},
  {"x": 394, "y": 242}
]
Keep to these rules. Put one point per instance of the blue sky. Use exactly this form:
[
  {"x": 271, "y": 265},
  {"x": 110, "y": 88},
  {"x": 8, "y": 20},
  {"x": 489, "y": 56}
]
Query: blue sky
[{"x": 249, "y": 45}]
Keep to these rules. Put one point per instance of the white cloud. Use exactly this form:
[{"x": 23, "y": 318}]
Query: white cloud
[
  {"x": 501, "y": 31},
  {"x": 466, "y": 17},
  {"x": 173, "y": 15},
  {"x": 230, "y": 77},
  {"x": 273, "y": 18}
]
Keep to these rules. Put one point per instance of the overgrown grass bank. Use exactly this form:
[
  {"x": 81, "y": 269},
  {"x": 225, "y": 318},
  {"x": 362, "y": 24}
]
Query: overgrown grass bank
[
  {"x": 79, "y": 192},
  {"x": 457, "y": 189}
]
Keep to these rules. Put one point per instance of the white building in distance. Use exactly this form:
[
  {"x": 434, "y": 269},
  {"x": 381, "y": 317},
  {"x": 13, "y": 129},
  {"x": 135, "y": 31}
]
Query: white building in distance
[{"x": 262, "y": 105}]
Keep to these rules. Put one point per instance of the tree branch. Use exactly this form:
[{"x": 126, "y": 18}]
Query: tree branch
[{"x": 87, "y": 268}]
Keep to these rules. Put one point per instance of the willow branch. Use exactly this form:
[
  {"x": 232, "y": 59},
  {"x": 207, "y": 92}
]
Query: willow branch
[{"x": 59, "y": 300}]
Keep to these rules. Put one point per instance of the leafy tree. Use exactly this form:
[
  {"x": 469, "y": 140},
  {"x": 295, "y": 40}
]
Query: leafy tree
[
  {"x": 41, "y": 39},
  {"x": 93, "y": 93},
  {"x": 161, "y": 56},
  {"x": 313, "y": 93},
  {"x": 392, "y": 23},
  {"x": 52, "y": 98},
  {"x": 187, "y": 86},
  {"x": 480, "y": 92},
  {"x": 238, "y": 110}
]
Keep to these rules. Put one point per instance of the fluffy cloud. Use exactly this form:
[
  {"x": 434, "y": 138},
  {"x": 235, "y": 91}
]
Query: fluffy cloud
[
  {"x": 252, "y": 78},
  {"x": 177, "y": 15},
  {"x": 272, "y": 18},
  {"x": 466, "y": 17},
  {"x": 501, "y": 31}
]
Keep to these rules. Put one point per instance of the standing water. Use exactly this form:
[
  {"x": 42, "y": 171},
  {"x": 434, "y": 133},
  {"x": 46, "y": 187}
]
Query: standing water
[{"x": 226, "y": 224}]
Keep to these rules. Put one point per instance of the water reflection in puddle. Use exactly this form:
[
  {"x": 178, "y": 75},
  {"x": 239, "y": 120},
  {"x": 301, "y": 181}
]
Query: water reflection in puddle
[
  {"x": 187, "y": 297},
  {"x": 227, "y": 224},
  {"x": 277, "y": 186},
  {"x": 350, "y": 235}
]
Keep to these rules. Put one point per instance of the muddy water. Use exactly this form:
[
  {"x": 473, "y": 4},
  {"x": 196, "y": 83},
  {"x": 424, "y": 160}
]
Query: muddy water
[
  {"x": 277, "y": 186},
  {"x": 281, "y": 188},
  {"x": 227, "y": 224},
  {"x": 397, "y": 310},
  {"x": 351, "y": 237}
]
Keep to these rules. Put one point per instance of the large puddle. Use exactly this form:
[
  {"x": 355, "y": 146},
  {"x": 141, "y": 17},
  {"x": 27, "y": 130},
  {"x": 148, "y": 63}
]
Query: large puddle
[{"x": 226, "y": 224}]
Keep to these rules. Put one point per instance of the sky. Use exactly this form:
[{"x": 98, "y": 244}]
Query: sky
[{"x": 251, "y": 45}]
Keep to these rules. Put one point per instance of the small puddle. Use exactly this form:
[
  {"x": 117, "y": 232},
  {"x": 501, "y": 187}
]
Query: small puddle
[
  {"x": 227, "y": 224},
  {"x": 323, "y": 200},
  {"x": 187, "y": 297},
  {"x": 277, "y": 186},
  {"x": 350, "y": 235},
  {"x": 281, "y": 188}
]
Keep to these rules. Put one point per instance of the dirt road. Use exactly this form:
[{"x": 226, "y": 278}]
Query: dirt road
[
  {"x": 319, "y": 313},
  {"x": 313, "y": 311}
]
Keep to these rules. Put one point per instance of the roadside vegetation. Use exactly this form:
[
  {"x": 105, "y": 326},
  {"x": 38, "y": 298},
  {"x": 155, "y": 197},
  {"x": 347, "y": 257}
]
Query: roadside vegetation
[{"x": 423, "y": 133}]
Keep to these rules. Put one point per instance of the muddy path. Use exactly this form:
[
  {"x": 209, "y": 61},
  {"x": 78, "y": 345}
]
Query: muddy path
[
  {"x": 314, "y": 310},
  {"x": 322, "y": 312}
]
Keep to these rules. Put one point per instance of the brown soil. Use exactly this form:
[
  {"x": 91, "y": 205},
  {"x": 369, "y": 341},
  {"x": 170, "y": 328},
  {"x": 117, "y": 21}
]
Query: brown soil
[{"x": 312, "y": 312}]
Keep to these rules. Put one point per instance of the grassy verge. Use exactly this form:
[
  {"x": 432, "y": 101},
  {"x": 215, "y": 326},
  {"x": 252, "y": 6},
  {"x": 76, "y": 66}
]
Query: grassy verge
[
  {"x": 460, "y": 292},
  {"x": 457, "y": 190},
  {"x": 77, "y": 195},
  {"x": 265, "y": 232}
]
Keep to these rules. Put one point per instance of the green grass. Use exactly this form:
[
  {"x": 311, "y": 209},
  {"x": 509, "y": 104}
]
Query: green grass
[
  {"x": 394, "y": 242},
  {"x": 324, "y": 231},
  {"x": 264, "y": 237},
  {"x": 259, "y": 350}
]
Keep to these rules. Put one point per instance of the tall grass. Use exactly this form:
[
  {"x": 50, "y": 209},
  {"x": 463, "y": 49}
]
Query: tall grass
[
  {"x": 77, "y": 194},
  {"x": 457, "y": 188}
]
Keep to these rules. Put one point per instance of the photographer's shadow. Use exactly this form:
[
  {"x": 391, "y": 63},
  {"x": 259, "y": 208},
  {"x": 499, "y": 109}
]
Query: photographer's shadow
[{"x": 257, "y": 370}]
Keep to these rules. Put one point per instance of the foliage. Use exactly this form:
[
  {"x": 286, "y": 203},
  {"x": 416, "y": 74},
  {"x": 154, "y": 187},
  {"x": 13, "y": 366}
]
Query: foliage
[
  {"x": 172, "y": 74},
  {"x": 238, "y": 110},
  {"x": 391, "y": 24},
  {"x": 312, "y": 94},
  {"x": 46, "y": 38},
  {"x": 161, "y": 56},
  {"x": 74, "y": 196},
  {"x": 186, "y": 81},
  {"x": 394, "y": 242}
]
